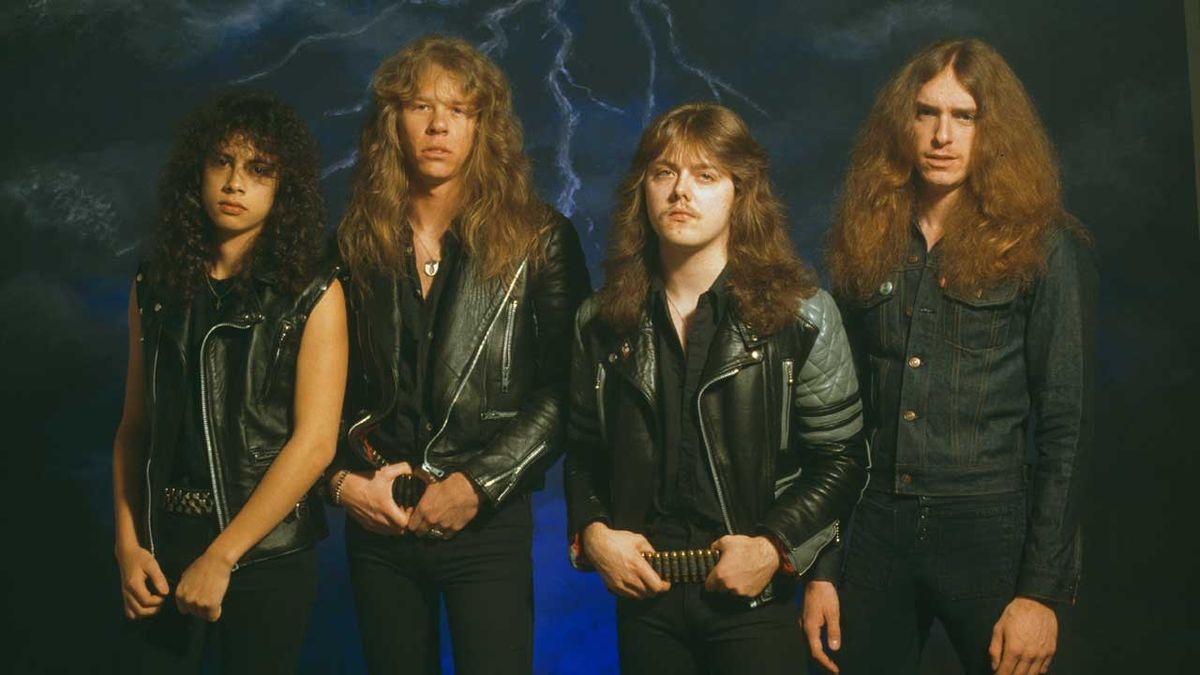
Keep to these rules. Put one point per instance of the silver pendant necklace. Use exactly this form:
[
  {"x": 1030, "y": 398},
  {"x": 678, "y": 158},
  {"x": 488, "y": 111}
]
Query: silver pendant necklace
[{"x": 431, "y": 264}]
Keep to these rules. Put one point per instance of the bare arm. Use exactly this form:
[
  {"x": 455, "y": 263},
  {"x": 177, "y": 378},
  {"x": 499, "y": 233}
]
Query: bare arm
[
  {"x": 320, "y": 385},
  {"x": 138, "y": 566}
]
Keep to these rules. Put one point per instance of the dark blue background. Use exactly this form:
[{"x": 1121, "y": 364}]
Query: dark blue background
[{"x": 94, "y": 88}]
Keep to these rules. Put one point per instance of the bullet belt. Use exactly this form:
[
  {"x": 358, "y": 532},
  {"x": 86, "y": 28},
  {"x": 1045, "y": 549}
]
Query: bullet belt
[
  {"x": 407, "y": 490},
  {"x": 187, "y": 502},
  {"x": 687, "y": 567}
]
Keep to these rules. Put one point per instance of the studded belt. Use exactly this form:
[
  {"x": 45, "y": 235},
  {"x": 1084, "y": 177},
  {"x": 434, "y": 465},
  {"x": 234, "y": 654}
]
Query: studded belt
[
  {"x": 187, "y": 502},
  {"x": 689, "y": 566}
]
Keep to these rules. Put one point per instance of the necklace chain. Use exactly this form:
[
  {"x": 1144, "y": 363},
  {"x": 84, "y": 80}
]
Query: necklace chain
[
  {"x": 218, "y": 298},
  {"x": 431, "y": 264}
]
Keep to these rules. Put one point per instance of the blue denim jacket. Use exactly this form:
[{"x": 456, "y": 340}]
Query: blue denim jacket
[{"x": 984, "y": 393}]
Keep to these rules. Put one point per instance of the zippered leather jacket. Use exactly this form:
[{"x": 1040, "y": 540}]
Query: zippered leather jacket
[
  {"x": 247, "y": 387},
  {"x": 498, "y": 368},
  {"x": 956, "y": 385},
  {"x": 780, "y": 421}
]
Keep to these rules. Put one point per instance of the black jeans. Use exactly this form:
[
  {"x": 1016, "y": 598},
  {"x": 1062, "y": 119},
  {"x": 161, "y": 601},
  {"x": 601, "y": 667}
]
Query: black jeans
[
  {"x": 485, "y": 574},
  {"x": 688, "y": 630},
  {"x": 260, "y": 632},
  {"x": 912, "y": 559}
]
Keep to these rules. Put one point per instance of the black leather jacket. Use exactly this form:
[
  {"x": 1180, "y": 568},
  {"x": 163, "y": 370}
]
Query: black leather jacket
[
  {"x": 248, "y": 391},
  {"x": 780, "y": 420},
  {"x": 955, "y": 385},
  {"x": 499, "y": 369}
]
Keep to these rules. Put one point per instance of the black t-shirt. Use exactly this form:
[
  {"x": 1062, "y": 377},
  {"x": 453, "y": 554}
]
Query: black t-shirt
[{"x": 189, "y": 466}]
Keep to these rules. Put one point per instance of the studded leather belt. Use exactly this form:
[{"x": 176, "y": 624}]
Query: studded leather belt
[
  {"x": 690, "y": 566},
  {"x": 187, "y": 502}
]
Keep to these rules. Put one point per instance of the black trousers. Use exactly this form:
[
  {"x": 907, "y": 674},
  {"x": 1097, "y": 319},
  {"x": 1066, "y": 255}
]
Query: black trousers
[
  {"x": 912, "y": 559},
  {"x": 688, "y": 630},
  {"x": 485, "y": 574},
  {"x": 260, "y": 632}
]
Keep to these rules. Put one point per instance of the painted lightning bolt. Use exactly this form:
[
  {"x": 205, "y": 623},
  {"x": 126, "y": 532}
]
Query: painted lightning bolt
[{"x": 715, "y": 84}]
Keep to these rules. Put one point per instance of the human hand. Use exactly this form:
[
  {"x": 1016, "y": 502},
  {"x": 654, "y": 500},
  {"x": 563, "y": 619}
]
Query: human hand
[
  {"x": 202, "y": 587},
  {"x": 746, "y": 565},
  {"x": 822, "y": 610},
  {"x": 446, "y": 507},
  {"x": 1024, "y": 639},
  {"x": 139, "y": 571},
  {"x": 368, "y": 499},
  {"x": 617, "y": 557}
]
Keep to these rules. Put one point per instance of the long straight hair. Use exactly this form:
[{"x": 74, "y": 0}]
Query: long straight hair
[{"x": 767, "y": 280}]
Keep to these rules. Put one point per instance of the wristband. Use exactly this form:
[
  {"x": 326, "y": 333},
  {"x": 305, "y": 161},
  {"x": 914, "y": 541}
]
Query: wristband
[{"x": 338, "y": 480}]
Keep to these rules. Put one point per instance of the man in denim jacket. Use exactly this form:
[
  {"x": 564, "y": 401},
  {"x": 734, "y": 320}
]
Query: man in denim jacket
[{"x": 969, "y": 297}]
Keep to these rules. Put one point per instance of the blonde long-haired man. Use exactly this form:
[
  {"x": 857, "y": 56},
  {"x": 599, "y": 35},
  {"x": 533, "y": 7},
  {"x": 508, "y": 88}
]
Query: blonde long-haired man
[{"x": 462, "y": 290}]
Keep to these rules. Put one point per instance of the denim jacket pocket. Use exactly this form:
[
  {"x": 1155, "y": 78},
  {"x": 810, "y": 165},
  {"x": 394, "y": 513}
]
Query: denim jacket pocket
[{"x": 980, "y": 320}]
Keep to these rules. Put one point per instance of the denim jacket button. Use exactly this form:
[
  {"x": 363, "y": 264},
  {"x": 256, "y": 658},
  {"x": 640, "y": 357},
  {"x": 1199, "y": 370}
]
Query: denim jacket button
[
  {"x": 886, "y": 288},
  {"x": 914, "y": 362},
  {"x": 910, "y": 415}
]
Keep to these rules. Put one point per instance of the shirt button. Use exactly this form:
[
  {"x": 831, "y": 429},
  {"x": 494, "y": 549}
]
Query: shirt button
[
  {"x": 429, "y": 335},
  {"x": 428, "y": 426},
  {"x": 906, "y": 479},
  {"x": 909, "y": 415},
  {"x": 914, "y": 362}
]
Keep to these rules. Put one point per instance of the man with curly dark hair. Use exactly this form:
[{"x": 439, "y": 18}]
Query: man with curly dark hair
[
  {"x": 969, "y": 294},
  {"x": 237, "y": 365}
]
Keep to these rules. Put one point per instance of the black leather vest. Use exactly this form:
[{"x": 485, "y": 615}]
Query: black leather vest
[{"x": 247, "y": 384}]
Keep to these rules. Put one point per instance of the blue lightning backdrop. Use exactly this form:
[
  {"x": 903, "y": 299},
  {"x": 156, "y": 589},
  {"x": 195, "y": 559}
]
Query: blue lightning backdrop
[{"x": 94, "y": 89}]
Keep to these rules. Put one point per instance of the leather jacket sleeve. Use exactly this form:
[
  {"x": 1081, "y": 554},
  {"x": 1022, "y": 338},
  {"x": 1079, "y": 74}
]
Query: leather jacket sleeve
[
  {"x": 531, "y": 441},
  {"x": 827, "y": 412},
  {"x": 585, "y": 469},
  {"x": 1060, "y": 356}
]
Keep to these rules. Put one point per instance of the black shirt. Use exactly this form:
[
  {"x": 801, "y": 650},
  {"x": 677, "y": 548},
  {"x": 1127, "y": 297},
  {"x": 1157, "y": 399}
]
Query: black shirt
[
  {"x": 685, "y": 512},
  {"x": 189, "y": 467},
  {"x": 408, "y": 428}
]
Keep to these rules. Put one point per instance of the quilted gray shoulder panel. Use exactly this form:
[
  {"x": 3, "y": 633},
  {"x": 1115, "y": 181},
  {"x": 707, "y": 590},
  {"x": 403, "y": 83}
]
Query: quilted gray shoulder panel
[{"x": 827, "y": 377}]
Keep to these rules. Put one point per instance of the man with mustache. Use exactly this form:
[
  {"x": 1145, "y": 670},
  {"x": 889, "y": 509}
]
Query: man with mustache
[
  {"x": 714, "y": 439},
  {"x": 969, "y": 296}
]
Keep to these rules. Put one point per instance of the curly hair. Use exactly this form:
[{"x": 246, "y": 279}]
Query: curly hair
[
  {"x": 1010, "y": 200},
  {"x": 767, "y": 280},
  {"x": 290, "y": 241},
  {"x": 502, "y": 220}
]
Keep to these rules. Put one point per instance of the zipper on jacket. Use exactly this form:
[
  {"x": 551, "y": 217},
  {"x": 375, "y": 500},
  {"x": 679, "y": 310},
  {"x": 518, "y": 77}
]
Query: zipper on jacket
[
  {"x": 283, "y": 335},
  {"x": 785, "y": 415},
  {"x": 425, "y": 465},
  {"x": 149, "y": 498},
  {"x": 506, "y": 358},
  {"x": 712, "y": 464},
  {"x": 600, "y": 376},
  {"x": 514, "y": 472},
  {"x": 214, "y": 475}
]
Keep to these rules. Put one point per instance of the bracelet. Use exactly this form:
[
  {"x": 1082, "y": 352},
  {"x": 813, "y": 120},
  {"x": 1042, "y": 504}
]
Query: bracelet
[{"x": 338, "y": 480}]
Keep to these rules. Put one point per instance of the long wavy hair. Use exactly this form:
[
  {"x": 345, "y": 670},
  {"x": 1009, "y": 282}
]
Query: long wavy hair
[
  {"x": 501, "y": 222},
  {"x": 1010, "y": 199},
  {"x": 290, "y": 242},
  {"x": 767, "y": 280}
]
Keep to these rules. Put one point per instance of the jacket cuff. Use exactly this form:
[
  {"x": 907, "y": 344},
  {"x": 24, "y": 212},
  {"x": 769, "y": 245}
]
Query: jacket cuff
[
  {"x": 802, "y": 555},
  {"x": 828, "y": 566},
  {"x": 1047, "y": 586}
]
